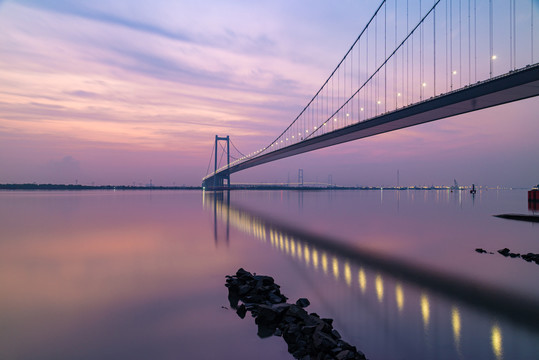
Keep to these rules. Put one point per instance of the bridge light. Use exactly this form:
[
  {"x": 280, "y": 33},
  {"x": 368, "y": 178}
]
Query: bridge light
[
  {"x": 424, "y": 84},
  {"x": 292, "y": 136},
  {"x": 315, "y": 127},
  {"x": 398, "y": 94},
  {"x": 347, "y": 115},
  {"x": 378, "y": 102},
  {"x": 325, "y": 124},
  {"x": 454, "y": 72},
  {"x": 306, "y": 131},
  {"x": 281, "y": 141},
  {"x": 286, "y": 139},
  {"x": 494, "y": 57},
  {"x": 335, "y": 119},
  {"x": 361, "y": 109}
]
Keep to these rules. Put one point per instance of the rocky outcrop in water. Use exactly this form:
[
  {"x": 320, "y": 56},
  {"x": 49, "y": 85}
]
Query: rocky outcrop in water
[
  {"x": 529, "y": 257},
  {"x": 308, "y": 336}
]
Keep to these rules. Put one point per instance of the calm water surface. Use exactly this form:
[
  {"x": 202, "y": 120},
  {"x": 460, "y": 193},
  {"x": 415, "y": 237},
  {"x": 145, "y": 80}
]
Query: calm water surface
[{"x": 140, "y": 274}]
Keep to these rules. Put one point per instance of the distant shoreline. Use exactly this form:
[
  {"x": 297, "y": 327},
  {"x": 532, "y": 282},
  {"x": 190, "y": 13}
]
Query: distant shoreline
[
  {"x": 77, "y": 187},
  {"x": 91, "y": 187}
]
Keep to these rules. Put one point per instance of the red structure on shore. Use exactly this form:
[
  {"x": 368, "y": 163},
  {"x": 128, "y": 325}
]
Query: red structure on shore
[{"x": 533, "y": 199}]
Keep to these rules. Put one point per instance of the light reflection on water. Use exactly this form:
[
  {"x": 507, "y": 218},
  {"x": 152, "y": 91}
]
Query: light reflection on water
[{"x": 414, "y": 300}]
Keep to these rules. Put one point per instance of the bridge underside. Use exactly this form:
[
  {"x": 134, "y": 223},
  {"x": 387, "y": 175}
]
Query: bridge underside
[
  {"x": 514, "y": 86},
  {"x": 220, "y": 181}
]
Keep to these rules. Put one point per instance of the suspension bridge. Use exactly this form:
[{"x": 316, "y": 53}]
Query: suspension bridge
[{"x": 415, "y": 61}]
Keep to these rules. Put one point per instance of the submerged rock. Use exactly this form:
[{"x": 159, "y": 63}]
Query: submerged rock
[{"x": 307, "y": 335}]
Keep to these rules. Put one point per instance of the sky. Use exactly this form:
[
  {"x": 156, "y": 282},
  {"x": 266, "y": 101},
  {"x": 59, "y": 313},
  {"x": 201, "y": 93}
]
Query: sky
[{"x": 128, "y": 91}]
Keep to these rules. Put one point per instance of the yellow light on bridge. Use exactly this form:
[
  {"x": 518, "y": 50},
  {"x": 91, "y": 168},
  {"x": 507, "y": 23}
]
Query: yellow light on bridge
[
  {"x": 378, "y": 102},
  {"x": 454, "y": 72},
  {"x": 347, "y": 115},
  {"x": 361, "y": 109},
  {"x": 494, "y": 57},
  {"x": 335, "y": 119},
  {"x": 398, "y": 94},
  {"x": 424, "y": 84}
]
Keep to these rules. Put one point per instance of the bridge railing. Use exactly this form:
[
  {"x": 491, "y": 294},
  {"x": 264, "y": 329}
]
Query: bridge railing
[{"x": 411, "y": 51}]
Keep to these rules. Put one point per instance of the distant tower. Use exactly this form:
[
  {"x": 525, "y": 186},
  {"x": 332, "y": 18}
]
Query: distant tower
[
  {"x": 330, "y": 180},
  {"x": 300, "y": 177}
]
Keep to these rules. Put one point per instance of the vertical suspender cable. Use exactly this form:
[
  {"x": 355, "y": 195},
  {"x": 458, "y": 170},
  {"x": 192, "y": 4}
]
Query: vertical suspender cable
[
  {"x": 511, "y": 34},
  {"x": 446, "y": 48},
  {"x": 451, "y": 41},
  {"x": 376, "y": 61},
  {"x": 407, "y": 59},
  {"x": 469, "y": 46},
  {"x": 490, "y": 27},
  {"x": 420, "y": 55},
  {"x": 351, "y": 84},
  {"x": 515, "y": 33},
  {"x": 434, "y": 53},
  {"x": 532, "y": 31},
  {"x": 460, "y": 43},
  {"x": 385, "y": 57},
  {"x": 395, "y": 83},
  {"x": 475, "y": 38}
]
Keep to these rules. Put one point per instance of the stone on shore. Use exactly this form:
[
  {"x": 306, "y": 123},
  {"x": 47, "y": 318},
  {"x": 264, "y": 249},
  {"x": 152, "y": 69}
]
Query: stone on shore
[{"x": 307, "y": 335}]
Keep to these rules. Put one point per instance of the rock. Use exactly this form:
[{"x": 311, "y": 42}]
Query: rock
[
  {"x": 242, "y": 310},
  {"x": 307, "y": 335},
  {"x": 504, "y": 252},
  {"x": 481, "y": 251}
]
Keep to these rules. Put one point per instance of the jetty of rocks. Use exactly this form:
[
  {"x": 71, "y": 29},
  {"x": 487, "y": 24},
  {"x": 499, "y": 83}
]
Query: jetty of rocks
[{"x": 308, "y": 336}]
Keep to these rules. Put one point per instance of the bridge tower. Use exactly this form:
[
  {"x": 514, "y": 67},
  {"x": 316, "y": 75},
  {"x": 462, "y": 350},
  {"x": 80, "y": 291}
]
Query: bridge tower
[
  {"x": 219, "y": 181},
  {"x": 300, "y": 177}
]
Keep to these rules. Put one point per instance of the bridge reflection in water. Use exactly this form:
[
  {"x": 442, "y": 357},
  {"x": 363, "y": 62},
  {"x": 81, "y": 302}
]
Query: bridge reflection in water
[{"x": 394, "y": 301}]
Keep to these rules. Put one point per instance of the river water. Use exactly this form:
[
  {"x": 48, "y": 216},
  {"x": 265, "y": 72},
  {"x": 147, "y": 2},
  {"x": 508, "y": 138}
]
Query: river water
[{"x": 140, "y": 274}]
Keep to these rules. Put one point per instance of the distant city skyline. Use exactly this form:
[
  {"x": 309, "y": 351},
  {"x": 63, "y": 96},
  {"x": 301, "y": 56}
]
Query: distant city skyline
[{"x": 124, "y": 92}]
